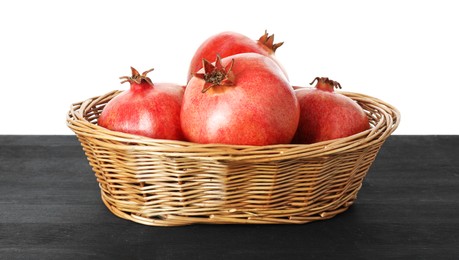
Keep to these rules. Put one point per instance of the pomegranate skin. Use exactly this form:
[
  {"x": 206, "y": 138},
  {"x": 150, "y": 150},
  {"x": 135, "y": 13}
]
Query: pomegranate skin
[
  {"x": 151, "y": 111},
  {"x": 230, "y": 43},
  {"x": 260, "y": 108},
  {"x": 326, "y": 115}
]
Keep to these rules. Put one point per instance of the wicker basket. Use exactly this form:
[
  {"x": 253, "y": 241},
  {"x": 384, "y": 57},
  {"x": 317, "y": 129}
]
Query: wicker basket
[{"x": 168, "y": 183}]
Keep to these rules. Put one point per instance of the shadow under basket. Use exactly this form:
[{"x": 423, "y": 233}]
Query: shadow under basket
[{"x": 169, "y": 183}]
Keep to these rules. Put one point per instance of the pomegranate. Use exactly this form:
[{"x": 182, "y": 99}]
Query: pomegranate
[
  {"x": 146, "y": 109},
  {"x": 229, "y": 43},
  {"x": 242, "y": 99},
  {"x": 327, "y": 115}
]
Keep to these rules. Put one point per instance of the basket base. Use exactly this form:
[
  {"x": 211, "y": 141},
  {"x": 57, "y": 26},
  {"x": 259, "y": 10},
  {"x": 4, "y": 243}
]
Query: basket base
[{"x": 233, "y": 217}]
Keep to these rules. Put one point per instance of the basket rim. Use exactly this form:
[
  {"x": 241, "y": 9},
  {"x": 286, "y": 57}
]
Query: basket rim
[{"x": 386, "y": 125}]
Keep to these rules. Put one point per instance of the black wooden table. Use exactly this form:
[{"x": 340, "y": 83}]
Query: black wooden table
[{"x": 50, "y": 208}]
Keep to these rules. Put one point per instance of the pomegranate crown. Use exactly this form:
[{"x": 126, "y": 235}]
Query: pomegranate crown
[
  {"x": 137, "y": 77},
  {"x": 325, "y": 83},
  {"x": 268, "y": 41},
  {"x": 216, "y": 74}
]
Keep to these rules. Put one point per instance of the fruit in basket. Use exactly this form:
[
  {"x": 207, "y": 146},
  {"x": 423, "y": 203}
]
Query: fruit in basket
[
  {"x": 241, "y": 99},
  {"x": 327, "y": 115},
  {"x": 147, "y": 108},
  {"x": 229, "y": 43}
]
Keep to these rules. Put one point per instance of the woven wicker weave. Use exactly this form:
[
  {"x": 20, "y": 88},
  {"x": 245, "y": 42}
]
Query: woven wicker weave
[{"x": 168, "y": 183}]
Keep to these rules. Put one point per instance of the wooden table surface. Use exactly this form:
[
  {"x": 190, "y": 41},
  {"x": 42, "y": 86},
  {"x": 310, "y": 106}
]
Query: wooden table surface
[{"x": 50, "y": 208}]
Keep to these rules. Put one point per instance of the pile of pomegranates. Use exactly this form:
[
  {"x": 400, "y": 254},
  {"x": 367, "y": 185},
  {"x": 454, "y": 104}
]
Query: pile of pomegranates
[{"x": 237, "y": 92}]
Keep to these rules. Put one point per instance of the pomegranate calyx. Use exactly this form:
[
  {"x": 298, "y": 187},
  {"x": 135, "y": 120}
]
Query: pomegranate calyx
[
  {"x": 216, "y": 75},
  {"x": 268, "y": 41},
  {"x": 137, "y": 77},
  {"x": 326, "y": 84}
]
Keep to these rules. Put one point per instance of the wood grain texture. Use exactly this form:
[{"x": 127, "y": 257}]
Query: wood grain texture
[{"x": 50, "y": 208}]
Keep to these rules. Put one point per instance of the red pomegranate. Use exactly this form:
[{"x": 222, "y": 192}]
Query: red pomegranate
[
  {"x": 226, "y": 44},
  {"x": 242, "y": 99},
  {"x": 327, "y": 115},
  {"x": 146, "y": 109}
]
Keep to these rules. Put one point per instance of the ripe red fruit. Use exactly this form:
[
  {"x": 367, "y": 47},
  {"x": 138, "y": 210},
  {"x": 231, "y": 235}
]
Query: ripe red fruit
[
  {"x": 242, "y": 99},
  {"x": 146, "y": 109},
  {"x": 326, "y": 115},
  {"x": 229, "y": 43}
]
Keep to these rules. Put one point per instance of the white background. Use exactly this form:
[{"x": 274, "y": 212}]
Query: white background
[{"x": 54, "y": 53}]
